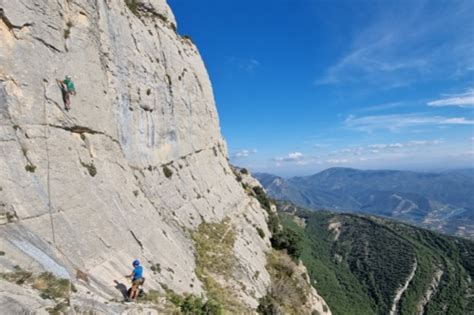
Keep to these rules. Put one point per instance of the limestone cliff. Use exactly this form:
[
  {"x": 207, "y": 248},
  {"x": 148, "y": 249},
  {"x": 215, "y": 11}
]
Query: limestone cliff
[{"x": 131, "y": 171}]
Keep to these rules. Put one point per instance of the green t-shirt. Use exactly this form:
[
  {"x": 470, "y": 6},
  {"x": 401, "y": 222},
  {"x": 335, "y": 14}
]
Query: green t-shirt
[{"x": 70, "y": 85}]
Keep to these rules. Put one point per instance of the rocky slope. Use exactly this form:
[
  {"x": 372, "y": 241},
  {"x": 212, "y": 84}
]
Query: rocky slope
[{"x": 133, "y": 170}]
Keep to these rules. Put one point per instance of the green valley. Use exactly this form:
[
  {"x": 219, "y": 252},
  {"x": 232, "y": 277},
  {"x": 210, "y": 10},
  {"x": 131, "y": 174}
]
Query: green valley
[{"x": 368, "y": 265}]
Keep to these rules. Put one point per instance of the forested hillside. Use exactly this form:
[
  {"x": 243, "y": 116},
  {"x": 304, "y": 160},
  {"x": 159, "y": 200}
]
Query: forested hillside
[{"x": 367, "y": 265}]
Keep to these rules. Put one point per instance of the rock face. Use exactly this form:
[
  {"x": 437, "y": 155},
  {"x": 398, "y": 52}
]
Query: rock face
[{"x": 132, "y": 169}]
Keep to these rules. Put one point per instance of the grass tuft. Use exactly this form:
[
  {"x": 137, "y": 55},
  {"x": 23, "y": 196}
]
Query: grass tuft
[
  {"x": 133, "y": 6},
  {"x": 30, "y": 168},
  {"x": 51, "y": 287},
  {"x": 215, "y": 259},
  {"x": 90, "y": 168},
  {"x": 156, "y": 268},
  {"x": 18, "y": 276},
  {"x": 46, "y": 283},
  {"x": 167, "y": 171},
  {"x": 289, "y": 289}
]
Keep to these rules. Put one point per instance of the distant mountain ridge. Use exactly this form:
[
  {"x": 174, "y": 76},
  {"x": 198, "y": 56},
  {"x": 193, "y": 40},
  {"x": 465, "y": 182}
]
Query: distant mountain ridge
[{"x": 441, "y": 201}]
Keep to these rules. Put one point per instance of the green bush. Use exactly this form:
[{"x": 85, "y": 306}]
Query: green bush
[
  {"x": 273, "y": 222},
  {"x": 262, "y": 198},
  {"x": 214, "y": 244},
  {"x": 268, "y": 306},
  {"x": 187, "y": 37},
  {"x": 156, "y": 268},
  {"x": 193, "y": 305},
  {"x": 260, "y": 232},
  {"x": 244, "y": 171},
  {"x": 288, "y": 240},
  {"x": 289, "y": 290},
  {"x": 90, "y": 168},
  {"x": 18, "y": 276},
  {"x": 11, "y": 217},
  {"x": 213, "y": 307},
  {"x": 152, "y": 296},
  {"x": 67, "y": 30},
  {"x": 167, "y": 171},
  {"x": 58, "y": 309},
  {"x": 173, "y": 27},
  {"x": 51, "y": 287},
  {"x": 30, "y": 168},
  {"x": 132, "y": 6},
  {"x": 188, "y": 305}
]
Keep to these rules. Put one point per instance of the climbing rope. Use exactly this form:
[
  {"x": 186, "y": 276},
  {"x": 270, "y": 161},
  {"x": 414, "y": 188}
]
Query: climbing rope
[{"x": 48, "y": 182}]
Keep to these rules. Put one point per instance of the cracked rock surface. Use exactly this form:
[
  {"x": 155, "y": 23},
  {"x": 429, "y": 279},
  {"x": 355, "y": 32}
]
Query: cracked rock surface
[{"x": 130, "y": 170}]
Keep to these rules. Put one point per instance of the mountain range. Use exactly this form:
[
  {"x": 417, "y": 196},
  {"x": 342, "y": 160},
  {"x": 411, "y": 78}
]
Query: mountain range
[{"x": 440, "y": 201}]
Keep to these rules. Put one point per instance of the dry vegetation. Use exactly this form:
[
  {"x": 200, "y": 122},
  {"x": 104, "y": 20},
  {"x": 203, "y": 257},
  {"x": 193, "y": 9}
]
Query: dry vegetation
[{"x": 215, "y": 260}]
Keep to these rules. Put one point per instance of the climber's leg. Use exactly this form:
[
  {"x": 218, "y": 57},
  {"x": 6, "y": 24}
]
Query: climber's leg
[{"x": 67, "y": 100}]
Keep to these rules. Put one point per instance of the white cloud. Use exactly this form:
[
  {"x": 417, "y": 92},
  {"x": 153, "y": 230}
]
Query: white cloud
[
  {"x": 381, "y": 107},
  {"x": 320, "y": 146},
  {"x": 351, "y": 151},
  {"x": 243, "y": 153},
  {"x": 395, "y": 146},
  {"x": 395, "y": 122},
  {"x": 295, "y": 155},
  {"x": 250, "y": 65},
  {"x": 386, "y": 146},
  {"x": 463, "y": 100},
  {"x": 291, "y": 157},
  {"x": 433, "y": 41},
  {"x": 337, "y": 161}
]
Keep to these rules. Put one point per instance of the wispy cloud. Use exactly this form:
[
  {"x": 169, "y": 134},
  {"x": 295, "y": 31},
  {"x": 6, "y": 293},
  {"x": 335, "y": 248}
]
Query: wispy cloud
[
  {"x": 379, "y": 148},
  {"x": 337, "y": 161},
  {"x": 243, "y": 153},
  {"x": 434, "y": 39},
  {"x": 350, "y": 151},
  {"x": 463, "y": 100},
  {"x": 291, "y": 157},
  {"x": 380, "y": 107},
  {"x": 383, "y": 147},
  {"x": 250, "y": 65},
  {"x": 396, "y": 122}
]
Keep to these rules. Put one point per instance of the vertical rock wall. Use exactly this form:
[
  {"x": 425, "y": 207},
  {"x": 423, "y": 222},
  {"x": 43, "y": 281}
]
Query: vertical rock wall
[{"x": 132, "y": 169}]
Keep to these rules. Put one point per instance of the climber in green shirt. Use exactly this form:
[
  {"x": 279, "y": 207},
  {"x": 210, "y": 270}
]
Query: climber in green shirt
[{"x": 68, "y": 88}]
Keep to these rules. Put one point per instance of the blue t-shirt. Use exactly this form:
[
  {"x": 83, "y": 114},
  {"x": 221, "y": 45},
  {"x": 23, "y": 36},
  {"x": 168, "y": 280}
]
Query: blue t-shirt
[{"x": 137, "y": 273}]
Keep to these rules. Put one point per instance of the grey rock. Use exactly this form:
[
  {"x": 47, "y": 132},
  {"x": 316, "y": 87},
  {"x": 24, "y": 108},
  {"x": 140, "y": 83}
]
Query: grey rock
[{"x": 130, "y": 170}]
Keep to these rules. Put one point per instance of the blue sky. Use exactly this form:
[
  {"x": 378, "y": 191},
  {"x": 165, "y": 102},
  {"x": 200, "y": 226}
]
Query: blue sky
[{"x": 303, "y": 85}]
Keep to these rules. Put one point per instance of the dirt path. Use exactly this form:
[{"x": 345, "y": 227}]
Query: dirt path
[{"x": 400, "y": 291}]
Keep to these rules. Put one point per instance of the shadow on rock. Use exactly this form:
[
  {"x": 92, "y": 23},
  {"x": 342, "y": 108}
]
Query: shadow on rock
[{"x": 122, "y": 288}]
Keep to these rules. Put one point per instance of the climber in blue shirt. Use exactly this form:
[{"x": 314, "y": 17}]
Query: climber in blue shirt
[{"x": 137, "y": 279}]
